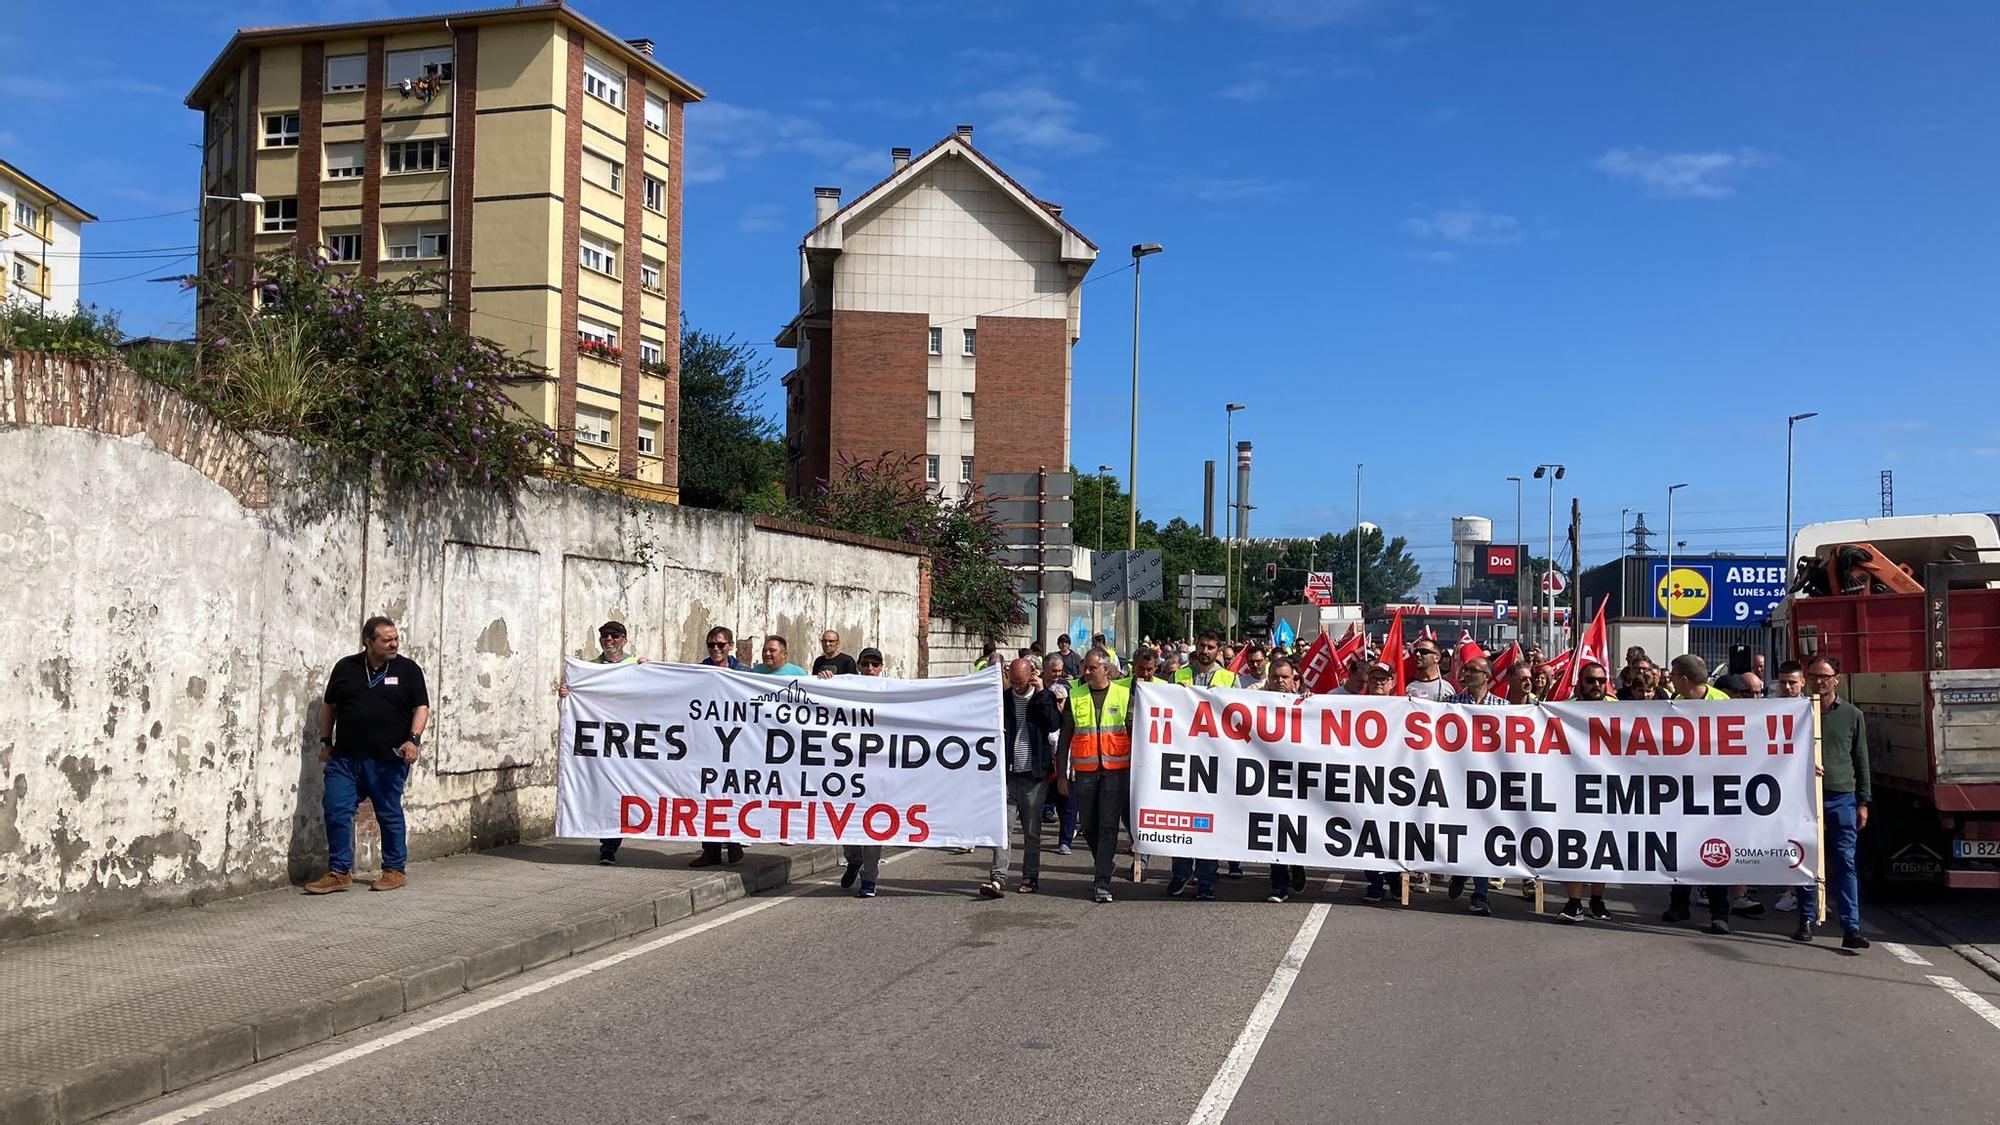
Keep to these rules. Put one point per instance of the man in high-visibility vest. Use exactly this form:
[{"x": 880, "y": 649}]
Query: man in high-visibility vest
[
  {"x": 1097, "y": 765},
  {"x": 1204, "y": 667}
]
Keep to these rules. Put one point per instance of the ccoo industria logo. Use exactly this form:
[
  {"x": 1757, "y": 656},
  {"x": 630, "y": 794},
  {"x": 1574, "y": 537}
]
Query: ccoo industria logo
[{"x": 1170, "y": 820}]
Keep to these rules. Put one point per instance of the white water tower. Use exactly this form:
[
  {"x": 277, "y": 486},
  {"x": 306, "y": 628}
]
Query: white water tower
[{"x": 1468, "y": 535}]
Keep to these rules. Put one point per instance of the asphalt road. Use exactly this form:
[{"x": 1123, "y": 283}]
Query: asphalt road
[{"x": 929, "y": 1005}]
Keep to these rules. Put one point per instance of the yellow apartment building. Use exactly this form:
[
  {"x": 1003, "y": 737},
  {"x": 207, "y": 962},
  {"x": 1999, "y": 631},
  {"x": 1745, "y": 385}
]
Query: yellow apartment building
[{"x": 526, "y": 150}]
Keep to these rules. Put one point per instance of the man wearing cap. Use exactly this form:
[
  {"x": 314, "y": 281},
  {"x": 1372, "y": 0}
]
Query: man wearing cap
[
  {"x": 720, "y": 643},
  {"x": 610, "y": 650},
  {"x": 863, "y": 860}
]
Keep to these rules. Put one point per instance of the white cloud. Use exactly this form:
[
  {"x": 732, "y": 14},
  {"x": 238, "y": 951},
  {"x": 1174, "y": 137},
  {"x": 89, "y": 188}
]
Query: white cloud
[
  {"x": 1309, "y": 15},
  {"x": 1225, "y": 189},
  {"x": 1467, "y": 224},
  {"x": 765, "y": 217},
  {"x": 1036, "y": 117},
  {"x": 1441, "y": 256},
  {"x": 723, "y": 136},
  {"x": 1684, "y": 175}
]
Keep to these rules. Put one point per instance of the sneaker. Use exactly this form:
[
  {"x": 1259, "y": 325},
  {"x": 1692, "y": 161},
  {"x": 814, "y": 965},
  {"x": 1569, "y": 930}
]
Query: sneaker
[
  {"x": 705, "y": 859},
  {"x": 1279, "y": 896},
  {"x": 1803, "y": 933},
  {"x": 1204, "y": 896},
  {"x": 1747, "y": 906},
  {"x": 330, "y": 882},
  {"x": 735, "y": 853},
  {"x": 1852, "y": 940},
  {"x": 1572, "y": 911},
  {"x": 1175, "y": 887},
  {"x": 1421, "y": 881},
  {"x": 1100, "y": 896},
  {"x": 1235, "y": 871},
  {"x": 391, "y": 879},
  {"x": 1299, "y": 883},
  {"x": 990, "y": 889},
  {"x": 1479, "y": 907},
  {"x": 1456, "y": 887},
  {"x": 1787, "y": 903},
  {"x": 1528, "y": 889},
  {"x": 1598, "y": 910},
  {"x": 1499, "y": 884},
  {"x": 1718, "y": 927},
  {"x": 867, "y": 891},
  {"x": 607, "y": 861},
  {"x": 848, "y": 876},
  {"x": 1676, "y": 914},
  {"x": 1062, "y": 849},
  {"x": 960, "y": 851},
  {"x": 1375, "y": 895}
]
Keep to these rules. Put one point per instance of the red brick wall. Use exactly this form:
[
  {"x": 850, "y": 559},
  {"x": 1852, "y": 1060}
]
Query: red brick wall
[
  {"x": 371, "y": 160},
  {"x": 1017, "y": 409},
  {"x": 670, "y": 426},
  {"x": 634, "y": 248},
  {"x": 880, "y": 372},
  {"x": 465, "y": 94},
  {"x": 312, "y": 83},
  {"x": 572, "y": 229}
]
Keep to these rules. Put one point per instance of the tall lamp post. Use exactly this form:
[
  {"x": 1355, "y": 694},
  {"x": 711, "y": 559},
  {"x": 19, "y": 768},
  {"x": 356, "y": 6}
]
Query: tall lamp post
[
  {"x": 1140, "y": 250},
  {"x": 1554, "y": 473},
  {"x": 1520, "y": 566},
  {"x": 1229, "y": 520},
  {"x": 1671, "y": 489},
  {"x": 1791, "y": 423},
  {"x": 1624, "y": 602},
  {"x": 1360, "y": 606},
  {"x": 1103, "y": 473}
]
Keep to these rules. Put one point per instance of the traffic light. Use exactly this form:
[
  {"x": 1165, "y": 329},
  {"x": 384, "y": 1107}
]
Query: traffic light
[{"x": 1270, "y": 572}]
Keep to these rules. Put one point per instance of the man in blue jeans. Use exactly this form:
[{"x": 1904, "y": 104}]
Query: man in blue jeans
[
  {"x": 371, "y": 725},
  {"x": 1844, "y": 765}
]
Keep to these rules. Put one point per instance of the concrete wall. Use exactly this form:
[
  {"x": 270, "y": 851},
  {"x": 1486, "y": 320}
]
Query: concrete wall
[
  {"x": 952, "y": 650},
  {"x": 178, "y": 606}
]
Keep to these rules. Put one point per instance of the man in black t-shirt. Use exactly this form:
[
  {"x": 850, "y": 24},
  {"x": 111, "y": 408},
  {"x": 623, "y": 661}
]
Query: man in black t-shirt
[
  {"x": 831, "y": 661},
  {"x": 371, "y": 726}
]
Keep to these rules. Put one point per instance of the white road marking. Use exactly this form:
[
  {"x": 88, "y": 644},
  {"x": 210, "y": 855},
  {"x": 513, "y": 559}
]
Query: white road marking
[
  {"x": 1222, "y": 1091},
  {"x": 1903, "y": 953},
  {"x": 1970, "y": 999},
  {"x": 438, "y": 1023}
]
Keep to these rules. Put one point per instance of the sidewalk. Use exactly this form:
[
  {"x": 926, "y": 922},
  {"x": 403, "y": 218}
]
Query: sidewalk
[
  {"x": 106, "y": 1016},
  {"x": 1969, "y": 923}
]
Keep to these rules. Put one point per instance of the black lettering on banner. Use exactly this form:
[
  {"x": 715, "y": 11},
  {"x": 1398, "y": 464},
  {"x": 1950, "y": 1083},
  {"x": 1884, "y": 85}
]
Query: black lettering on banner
[
  {"x": 674, "y": 739},
  {"x": 581, "y": 740},
  {"x": 728, "y": 736}
]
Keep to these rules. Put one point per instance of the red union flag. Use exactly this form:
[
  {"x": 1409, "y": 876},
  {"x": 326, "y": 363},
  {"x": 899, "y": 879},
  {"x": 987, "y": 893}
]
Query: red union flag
[
  {"x": 1325, "y": 664},
  {"x": 1468, "y": 649},
  {"x": 1591, "y": 651}
]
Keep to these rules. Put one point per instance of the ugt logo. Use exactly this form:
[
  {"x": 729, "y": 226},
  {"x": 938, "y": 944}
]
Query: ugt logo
[{"x": 1715, "y": 852}]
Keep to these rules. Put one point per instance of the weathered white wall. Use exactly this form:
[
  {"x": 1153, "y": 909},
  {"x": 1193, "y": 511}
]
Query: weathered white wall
[{"x": 170, "y": 645}]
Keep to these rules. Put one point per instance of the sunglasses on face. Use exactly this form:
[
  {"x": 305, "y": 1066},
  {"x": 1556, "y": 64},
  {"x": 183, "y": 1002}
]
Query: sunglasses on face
[
  {"x": 1593, "y": 680},
  {"x": 718, "y": 644}
]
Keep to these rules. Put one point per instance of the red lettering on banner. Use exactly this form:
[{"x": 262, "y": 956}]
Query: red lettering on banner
[
  {"x": 1642, "y": 738},
  {"x": 1204, "y": 721},
  {"x": 838, "y": 820},
  {"x": 743, "y": 827},
  {"x": 625, "y": 807},
  {"x": 1367, "y": 729},
  {"x": 868, "y": 822},
  {"x": 715, "y": 818},
  {"x": 785, "y": 811},
  {"x": 1728, "y": 738},
  {"x": 1555, "y": 740},
  {"x": 920, "y": 830},
  {"x": 681, "y": 823},
  {"x": 1677, "y": 735},
  {"x": 1236, "y": 722}
]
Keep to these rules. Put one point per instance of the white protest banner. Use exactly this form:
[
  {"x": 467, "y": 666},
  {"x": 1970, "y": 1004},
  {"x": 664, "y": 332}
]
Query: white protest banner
[
  {"x": 690, "y": 752},
  {"x": 1691, "y": 792}
]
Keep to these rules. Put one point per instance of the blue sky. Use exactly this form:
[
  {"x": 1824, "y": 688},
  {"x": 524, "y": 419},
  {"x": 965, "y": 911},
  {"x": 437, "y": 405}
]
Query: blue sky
[{"x": 1449, "y": 241}]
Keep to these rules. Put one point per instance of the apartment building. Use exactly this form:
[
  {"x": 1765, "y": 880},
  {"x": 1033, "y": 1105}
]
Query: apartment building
[
  {"x": 41, "y": 243},
  {"x": 937, "y": 311},
  {"x": 527, "y": 151}
]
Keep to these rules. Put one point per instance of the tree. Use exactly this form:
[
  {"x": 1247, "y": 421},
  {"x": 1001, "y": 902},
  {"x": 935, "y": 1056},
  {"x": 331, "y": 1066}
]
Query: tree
[
  {"x": 730, "y": 456},
  {"x": 1388, "y": 572}
]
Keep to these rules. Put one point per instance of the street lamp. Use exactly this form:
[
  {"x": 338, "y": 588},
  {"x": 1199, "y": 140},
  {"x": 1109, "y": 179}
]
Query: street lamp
[
  {"x": 1103, "y": 472},
  {"x": 1671, "y": 489},
  {"x": 1520, "y": 563},
  {"x": 1554, "y": 473},
  {"x": 1360, "y": 607},
  {"x": 1139, "y": 250},
  {"x": 244, "y": 197},
  {"x": 1229, "y": 518},
  {"x": 1624, "y": 600},
  {"x": 1791, "y": 424}
]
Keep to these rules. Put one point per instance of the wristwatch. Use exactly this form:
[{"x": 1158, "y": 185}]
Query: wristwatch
[
  {"x": 416, "y": 739},
  {"x": 326, "y": 740}
]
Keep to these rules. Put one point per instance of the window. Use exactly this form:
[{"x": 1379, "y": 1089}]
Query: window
[
  {"x": 406, "y": 66},
  {"x": 600, "y": 83},
  {"x": 593, "y": 426},
  {"x": 656, "y": 195},
  {"x": 603, "y": 171},
  {"x": 280, "y": 215},
  {"x": 429, "y": 155},
  {"x": 27, "y": 216},
  {"x": 965, "y": 406},
  {"x": 343, "y": 160},
  {"x": 281, "y": 130},
  {"x": 416, "y": 240},
  {"x": 345, "y": 247},
  {"x": 27, "y": 272},
  {"x": 937, "y": 341},
  {"x": 597, "y": 254},
  {"x": 596, "y": 332},
  {"x": 649, "y": 274},
  {"x": 965, "y": 470},
  {"x": 651, "y": 351},
  {"x": 971, "y": 336},
  {"x": 931, "y": 405},
  {"x": 649, "y": 437},
  {"x": 656, "y": 114},
  {"x": 931, "y": 469},
  {"x": 346, "y": 72}
]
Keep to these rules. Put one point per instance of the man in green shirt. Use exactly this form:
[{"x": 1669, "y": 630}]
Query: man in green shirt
[{"x": 1843, "y": 734}]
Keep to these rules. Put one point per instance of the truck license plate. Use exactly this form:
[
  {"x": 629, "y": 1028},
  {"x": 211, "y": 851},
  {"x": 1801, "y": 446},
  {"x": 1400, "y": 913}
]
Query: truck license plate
[{"x": 1975, "y": 849}]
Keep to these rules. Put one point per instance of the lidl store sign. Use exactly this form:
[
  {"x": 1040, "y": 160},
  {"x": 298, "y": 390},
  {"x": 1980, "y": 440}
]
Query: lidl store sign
[{"x": 1719, "y": 591}]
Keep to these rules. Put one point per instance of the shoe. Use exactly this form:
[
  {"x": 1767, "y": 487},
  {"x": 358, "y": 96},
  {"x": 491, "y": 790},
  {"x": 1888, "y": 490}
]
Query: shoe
[
  {"x": 1048, "y": 818},
  {"x": 1479, "y": 907},
  {"x": 1204, "y": 896},
  {"x": 1787, "y": 903},
  {"x": 1176, "y": 886},
  {"x": 1028, "y": 887},
  {"x": 1499, "y": 884},
  {"x": 705, "y": 859},
  {"x": 1572, "y": 911},
  {"x": 1374, "y": 895},
  {"x": 1456, "y": 887},
  {"x": 1719, "y": 927},
  {"x": 735, "y": 853},
  {"x": 1528, "y": 889},
  {"x": 1299, "y": 884},
  {"x": 1597, "y": 909},
  {"x": 1279, "y": 896},
  {"x": 1421, "y": 881},
  {"x": 1676, "y": 914},
  {"x": 1747, "y": 906},
  {"x": 867, "y": 891},
  {"x": 1100, "y": 896},
  {"x": 391, "y": 880},
  {"x": 990, "y": 889},
  {"x": 1062, "y": 849},
  {"x": 848, "y": 876},
  {"x": 1803, "y": 933},
  {"x": 1853, "y": 940},
  {"x": 1235, "y": 871},
  {"x": 330, "y": 882},
  {"x": 607, "y": 861},
  {"x": 961, "y": 851}
]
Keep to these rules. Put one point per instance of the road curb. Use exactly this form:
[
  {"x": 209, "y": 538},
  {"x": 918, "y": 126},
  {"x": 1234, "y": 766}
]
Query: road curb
[
  {"x": 1958, "y": 945},
  {"x": 174, "y": 1064}
]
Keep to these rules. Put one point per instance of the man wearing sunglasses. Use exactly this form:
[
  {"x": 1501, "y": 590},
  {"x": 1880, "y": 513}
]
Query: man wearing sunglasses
[
  {"x": 1426, "y": 681},
  {"x": 1592, "y": 682},
  {"x": 1844, "y": 768},
  {"x": 721, "y": 645}
]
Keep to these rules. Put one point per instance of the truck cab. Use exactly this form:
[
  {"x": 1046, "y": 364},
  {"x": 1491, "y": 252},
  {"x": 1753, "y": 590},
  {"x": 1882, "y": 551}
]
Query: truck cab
[{"x": 1910, "y": 608}]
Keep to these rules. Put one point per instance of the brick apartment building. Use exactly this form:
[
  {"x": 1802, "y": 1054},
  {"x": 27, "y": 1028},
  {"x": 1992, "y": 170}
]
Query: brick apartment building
[
  {"x": 528, "y": 151},
  {"x": 937, "y": 311}
]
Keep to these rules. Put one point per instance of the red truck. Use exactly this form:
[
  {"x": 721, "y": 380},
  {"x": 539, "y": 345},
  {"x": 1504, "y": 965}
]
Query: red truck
[{"x": 1910, "y": 606}]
